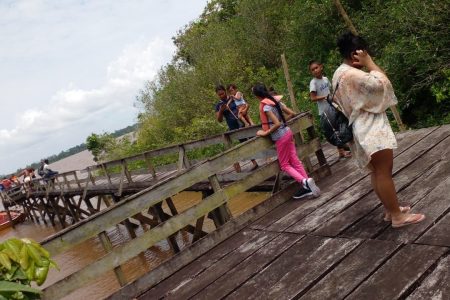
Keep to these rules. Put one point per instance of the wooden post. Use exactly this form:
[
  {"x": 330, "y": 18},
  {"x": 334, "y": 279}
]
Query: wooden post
[
  {"x": 289, "y": 84},
  {"x": 352, "y": 28},
  {"x": 106, "y": 243}
]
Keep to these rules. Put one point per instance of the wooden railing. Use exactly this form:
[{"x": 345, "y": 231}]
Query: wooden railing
[{"x": 215, "y": 203}]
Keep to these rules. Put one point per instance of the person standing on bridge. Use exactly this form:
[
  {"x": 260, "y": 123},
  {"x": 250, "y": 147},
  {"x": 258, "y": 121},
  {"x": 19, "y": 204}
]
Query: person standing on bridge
[
  {"x": 364, "y": 97},
  {"x": 226, "y": 108},
  {"x": 273, "y": 123}
]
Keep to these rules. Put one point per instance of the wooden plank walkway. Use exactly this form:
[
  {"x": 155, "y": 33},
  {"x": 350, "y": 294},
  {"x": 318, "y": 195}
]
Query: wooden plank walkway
[{"x": 334, "y": 247}]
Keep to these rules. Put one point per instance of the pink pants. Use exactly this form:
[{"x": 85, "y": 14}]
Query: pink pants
[{"x": 288, "y": 159}]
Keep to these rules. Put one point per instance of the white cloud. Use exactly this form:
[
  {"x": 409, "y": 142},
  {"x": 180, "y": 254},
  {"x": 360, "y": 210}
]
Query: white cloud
[
  {"x": 74, "y": 106},
  {"x": 70, "y": 68}
]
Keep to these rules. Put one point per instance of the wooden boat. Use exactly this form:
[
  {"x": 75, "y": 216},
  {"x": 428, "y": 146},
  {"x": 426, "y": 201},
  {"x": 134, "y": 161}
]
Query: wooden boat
[{"x": 16, "y": 216}]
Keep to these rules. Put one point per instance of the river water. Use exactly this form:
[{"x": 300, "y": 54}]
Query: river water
[{"x": 89, "y": 251}]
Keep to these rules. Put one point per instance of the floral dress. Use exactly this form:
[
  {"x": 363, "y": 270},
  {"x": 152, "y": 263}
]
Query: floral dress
[{"x": 364, "y": 98}]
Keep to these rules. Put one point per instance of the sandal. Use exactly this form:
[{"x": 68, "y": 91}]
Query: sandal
[
  {"x": 403, "y": 209},
  {"x": 410, "y": 219}
]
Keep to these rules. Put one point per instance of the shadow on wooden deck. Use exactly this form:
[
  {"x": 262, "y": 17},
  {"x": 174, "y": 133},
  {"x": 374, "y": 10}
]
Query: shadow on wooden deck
[{"x": 333, "y": 247}]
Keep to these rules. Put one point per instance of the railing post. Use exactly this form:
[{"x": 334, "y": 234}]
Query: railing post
[
  {"x": 223, "y": 212},
  {"x": 106, "y": 243},
  {"x": 183, "y": 161},
  {"x": 228, "y": 144},
  {"x": 150, "y": 165}
]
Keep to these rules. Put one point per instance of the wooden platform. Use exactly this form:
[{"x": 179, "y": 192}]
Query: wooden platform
[{"x": 333, "y": 247}]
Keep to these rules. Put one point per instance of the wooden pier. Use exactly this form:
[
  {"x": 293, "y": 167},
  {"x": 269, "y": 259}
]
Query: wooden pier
[
  {"x": 334, "y": 247},
  {"x": 68, "y": 201}
]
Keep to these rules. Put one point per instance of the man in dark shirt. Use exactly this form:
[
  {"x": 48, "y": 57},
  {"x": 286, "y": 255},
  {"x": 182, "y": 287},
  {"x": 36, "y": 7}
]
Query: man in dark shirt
[{"x": 230, "y": 113}]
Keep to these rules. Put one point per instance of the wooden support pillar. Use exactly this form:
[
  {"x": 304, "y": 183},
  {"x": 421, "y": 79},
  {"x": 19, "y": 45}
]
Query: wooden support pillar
[
  {"x": 183, "y": 161},
  {"x": 289, "y": 84},
  {"x": 228, "y": 144},
  {"x": 150, "y": 166},
  {"x": 161, "y": 216},
  {"x": 106, "y": 243},
  {"x": 223, "y": 211},
  {"x": 277, "y": 184}
]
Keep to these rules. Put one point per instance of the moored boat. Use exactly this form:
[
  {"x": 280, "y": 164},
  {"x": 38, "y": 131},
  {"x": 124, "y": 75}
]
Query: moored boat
[{"x": 16, "y": 216}]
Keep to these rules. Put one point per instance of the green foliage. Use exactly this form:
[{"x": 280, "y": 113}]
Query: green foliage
[
  {"x": 240, "y": 42},
  {"x": 22, "y": 261}
]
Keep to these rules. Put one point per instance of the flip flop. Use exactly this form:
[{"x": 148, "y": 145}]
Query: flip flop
[
  {"x": 403, "y": 209},
  {"x": 410, "y": 219}
]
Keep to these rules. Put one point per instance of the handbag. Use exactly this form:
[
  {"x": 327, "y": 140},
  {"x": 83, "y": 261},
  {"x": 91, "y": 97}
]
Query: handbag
[{"x": 334, "y": 123}]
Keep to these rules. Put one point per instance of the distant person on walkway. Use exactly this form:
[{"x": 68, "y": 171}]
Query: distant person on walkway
[
  {"x": 319, "y": 89},
  {"x": 6, "y": 183},
  {"x": 241, "y": 105},
  {"x": 274, "y": 124},
  {"x": 227, "y": 109},
  {"x": 364, "y": 97},
  {"x": 45, "y": 171},
  {"x": 27, "y": 175}
]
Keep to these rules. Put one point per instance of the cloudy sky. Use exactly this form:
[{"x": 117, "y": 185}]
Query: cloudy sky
[{"x": 72, "y": 67}]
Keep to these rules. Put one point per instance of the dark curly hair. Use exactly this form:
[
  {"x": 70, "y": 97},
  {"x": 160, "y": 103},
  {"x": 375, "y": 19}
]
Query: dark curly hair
[{"x": 348, "y": 43}]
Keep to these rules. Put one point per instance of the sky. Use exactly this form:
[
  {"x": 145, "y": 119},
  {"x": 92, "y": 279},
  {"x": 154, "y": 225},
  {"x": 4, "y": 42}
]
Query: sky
[{"x": 69, "y": 68}]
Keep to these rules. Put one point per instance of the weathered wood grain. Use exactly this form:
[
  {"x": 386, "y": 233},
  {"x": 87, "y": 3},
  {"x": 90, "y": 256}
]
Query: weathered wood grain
[
  {"x": 436, "y": 285},
  {"x": 295, "y": 269},
  {"x": 352, "y": 270},
  {"x": 247, "y": 268},
  {"x": 399, "y": 273}
]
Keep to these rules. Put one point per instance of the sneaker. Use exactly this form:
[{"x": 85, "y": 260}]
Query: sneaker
[
  {"x": 311, "y": 185},
  {"x": 302, "y": 193}
]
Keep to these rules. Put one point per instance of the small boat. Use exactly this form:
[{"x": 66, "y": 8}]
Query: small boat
[{"x": 16, "y": 216}]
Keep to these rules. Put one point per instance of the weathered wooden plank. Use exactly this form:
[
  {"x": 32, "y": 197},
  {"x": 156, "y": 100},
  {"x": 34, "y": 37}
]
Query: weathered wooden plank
[
  {"x": 438, "y": 234},
  {"x": 352, "y": 270},
  {"x": 363, "y": 188},
  {"x": 249, "y": 267},
  {"x": 436, "y": 285},
  {"x": 399, "y": 273},
  {"x": 414, "y": 182},
  {"x": 189, "y": 287},
  {"x": 202, "y": 246},
  {"x": 199, "y": 265},
  {"x": 295, "y": 269}
]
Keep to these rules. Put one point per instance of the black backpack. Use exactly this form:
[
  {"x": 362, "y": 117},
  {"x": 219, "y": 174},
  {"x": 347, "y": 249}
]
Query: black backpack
[{"x": 334, "y": 124}]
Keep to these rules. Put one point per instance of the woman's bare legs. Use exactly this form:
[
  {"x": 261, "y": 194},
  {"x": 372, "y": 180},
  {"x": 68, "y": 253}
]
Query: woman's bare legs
[{"x": 383, "y": 185}]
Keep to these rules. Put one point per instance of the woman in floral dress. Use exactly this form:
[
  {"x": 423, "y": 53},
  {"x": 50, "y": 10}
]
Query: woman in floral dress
[{"x": 364, "y": 98}]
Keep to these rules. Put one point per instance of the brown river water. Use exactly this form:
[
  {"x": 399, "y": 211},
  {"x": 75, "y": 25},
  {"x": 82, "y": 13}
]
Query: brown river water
[{"x": 89, "y": 251}]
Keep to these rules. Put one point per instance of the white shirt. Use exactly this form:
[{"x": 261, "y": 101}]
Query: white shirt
[{"x": 322, "y": 88}]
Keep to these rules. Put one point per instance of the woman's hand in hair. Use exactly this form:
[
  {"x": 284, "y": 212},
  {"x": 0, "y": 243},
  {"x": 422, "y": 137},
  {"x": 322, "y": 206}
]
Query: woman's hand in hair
[{"x": 362, "y": 59}]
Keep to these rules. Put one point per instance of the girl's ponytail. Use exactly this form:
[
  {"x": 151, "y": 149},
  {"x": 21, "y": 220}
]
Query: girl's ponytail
[{"x": 260, "y": 90}]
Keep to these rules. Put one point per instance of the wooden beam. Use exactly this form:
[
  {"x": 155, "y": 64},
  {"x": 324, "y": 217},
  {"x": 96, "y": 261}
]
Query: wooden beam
[{"x": 289, "y": 84}]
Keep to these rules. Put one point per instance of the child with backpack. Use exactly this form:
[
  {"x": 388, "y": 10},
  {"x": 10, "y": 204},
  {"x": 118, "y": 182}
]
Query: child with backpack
[
  {"x": 319, "y": 89},
  {"x": 274, "y": 124}
]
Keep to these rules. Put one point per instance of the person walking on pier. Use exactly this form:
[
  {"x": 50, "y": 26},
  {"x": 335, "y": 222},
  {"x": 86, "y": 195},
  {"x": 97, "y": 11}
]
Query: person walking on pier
[
  {"x": 227, "y": 109},
  {"x": 364, "y": 97},
  {"x": 274, "y": 124}
]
